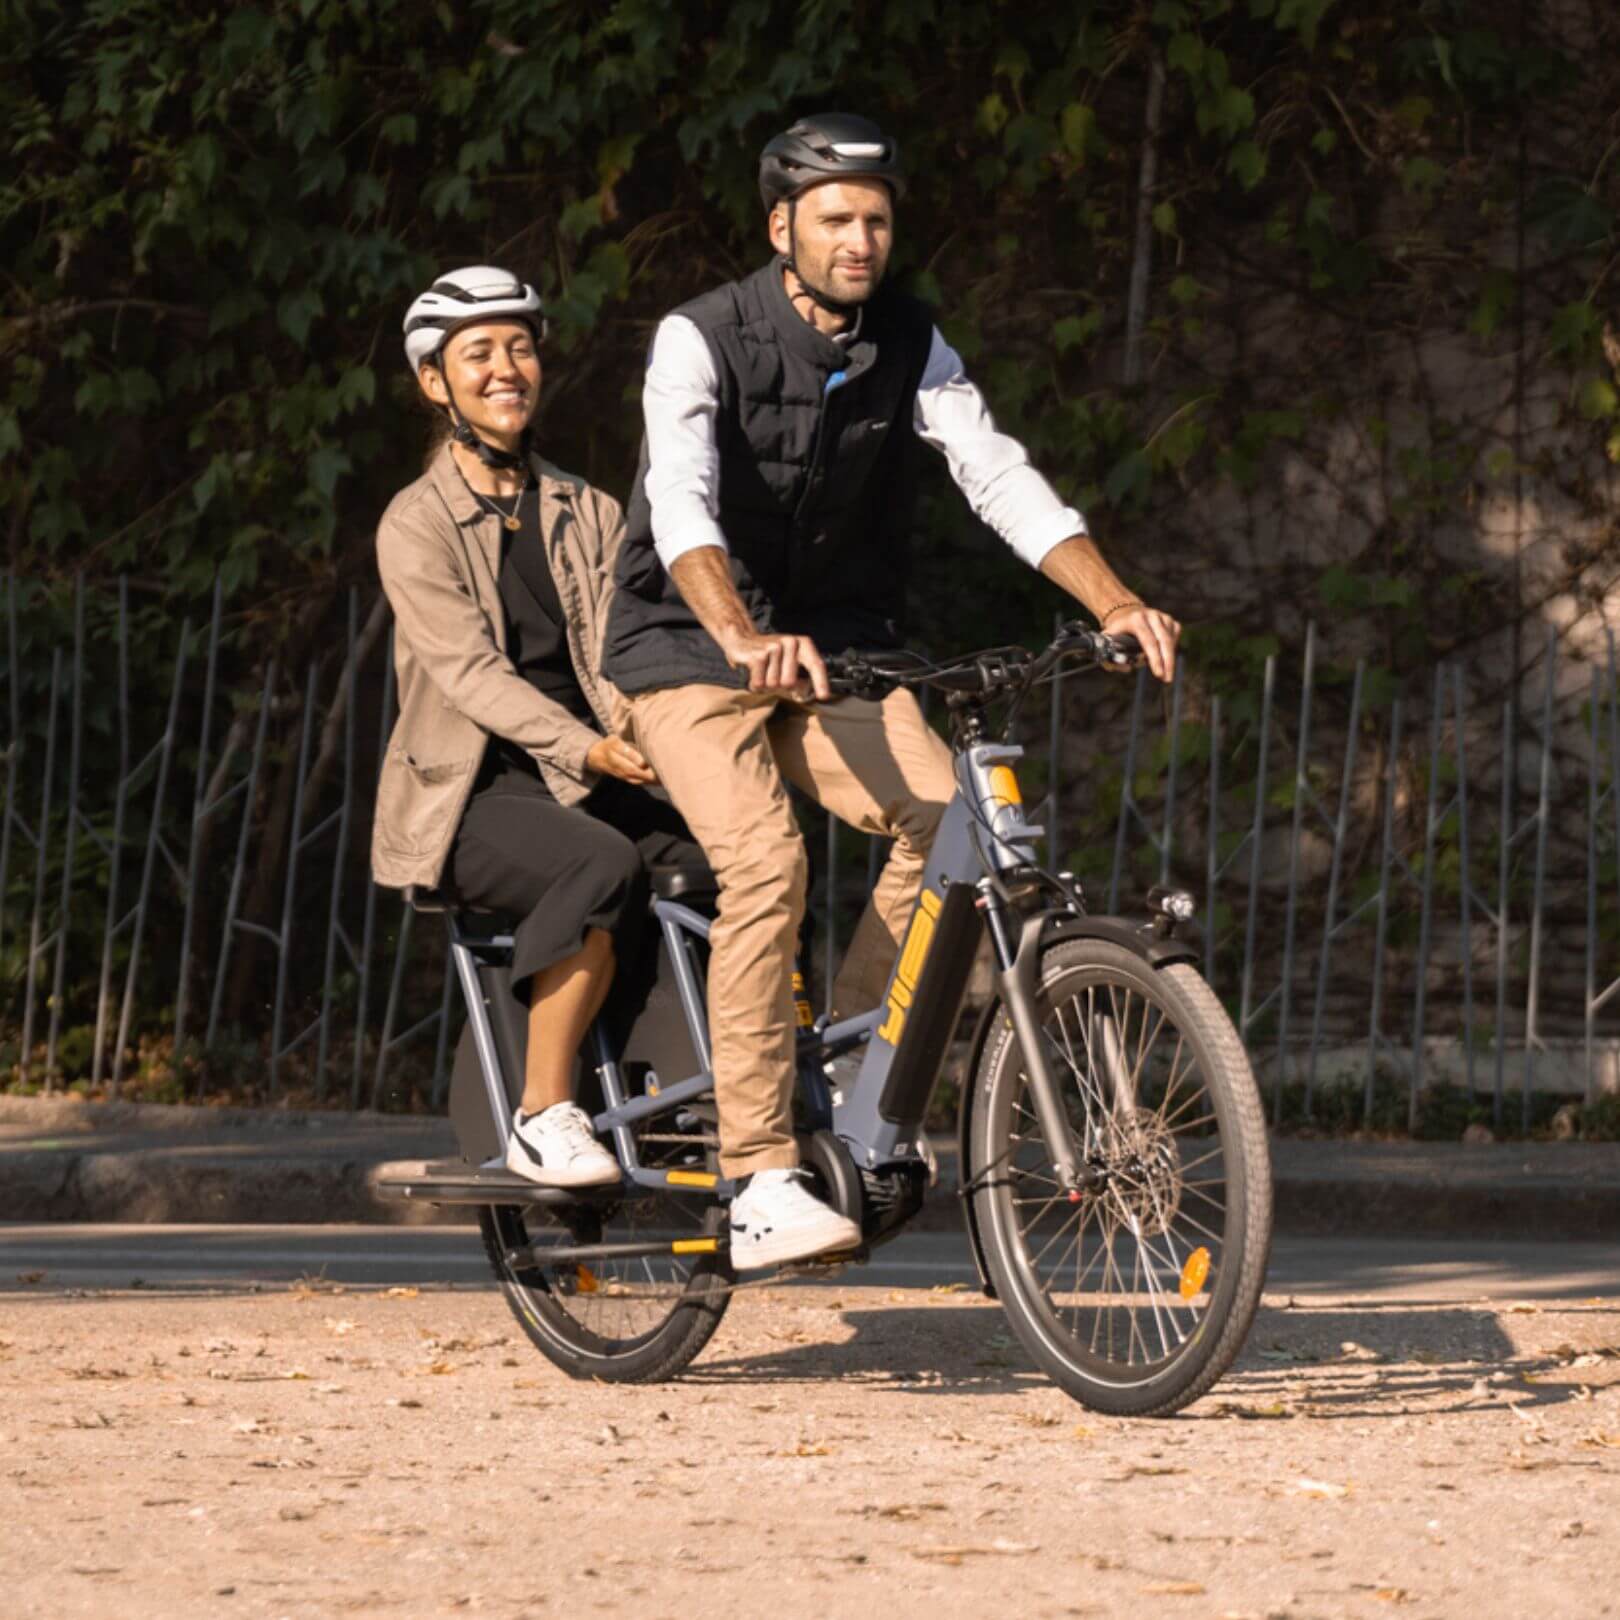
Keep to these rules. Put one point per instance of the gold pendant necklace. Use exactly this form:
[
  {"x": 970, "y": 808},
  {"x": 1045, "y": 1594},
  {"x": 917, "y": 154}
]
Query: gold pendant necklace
[{"x": 512, "y": 521}]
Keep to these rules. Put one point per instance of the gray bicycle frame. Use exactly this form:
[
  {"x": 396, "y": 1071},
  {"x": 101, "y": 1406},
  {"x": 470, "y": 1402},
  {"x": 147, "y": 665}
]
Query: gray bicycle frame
[{"x": 982, "y": 835}]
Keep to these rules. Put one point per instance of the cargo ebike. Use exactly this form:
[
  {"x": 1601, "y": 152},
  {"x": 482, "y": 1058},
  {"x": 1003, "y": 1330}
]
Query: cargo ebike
[{"x": 1113, "y": 1166}]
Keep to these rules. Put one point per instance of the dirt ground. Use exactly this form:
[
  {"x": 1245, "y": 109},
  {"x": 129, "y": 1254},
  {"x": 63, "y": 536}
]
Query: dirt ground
[{"x": 836, "y": 1451}]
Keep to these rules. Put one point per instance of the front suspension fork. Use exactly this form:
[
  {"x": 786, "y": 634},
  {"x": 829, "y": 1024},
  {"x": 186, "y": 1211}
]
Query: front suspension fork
[{"x": 1017, "y": 981}]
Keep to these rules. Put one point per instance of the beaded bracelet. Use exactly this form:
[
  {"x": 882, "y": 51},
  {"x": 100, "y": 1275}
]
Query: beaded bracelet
[{"x": 1118, "y": 607}]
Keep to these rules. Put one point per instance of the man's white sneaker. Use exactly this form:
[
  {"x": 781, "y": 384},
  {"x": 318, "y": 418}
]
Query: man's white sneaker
[
  {"x": 558, "y": 1148},
  {"x": 774, "y": 1220}
]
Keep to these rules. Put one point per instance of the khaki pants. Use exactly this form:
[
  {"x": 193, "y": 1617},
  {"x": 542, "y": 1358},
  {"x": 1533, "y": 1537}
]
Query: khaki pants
[{"x": 722, "y": 755}]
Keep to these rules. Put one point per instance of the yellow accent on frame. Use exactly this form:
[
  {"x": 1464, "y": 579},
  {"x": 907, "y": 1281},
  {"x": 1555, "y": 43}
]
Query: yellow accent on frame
[
  {"x": 690, "y": 1178},
  {"x": 1004, "y": 787},
  {"x": 801, "y": 1004},
  {"x": 694, "y": 1246},
  {"x": 909, "y": 968}
]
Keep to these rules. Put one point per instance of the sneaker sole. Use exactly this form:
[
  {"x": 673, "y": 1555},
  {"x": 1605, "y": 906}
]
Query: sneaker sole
[
  {"x": 561, "y": 1178},
  {"x": 795, "y": 1246}
]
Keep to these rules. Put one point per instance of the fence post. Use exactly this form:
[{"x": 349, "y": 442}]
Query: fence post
[
  {"x": 200, "y": 811},
  {"x": 334, "y": 920},
  {"x": 1505, "y": 841},
  {"x": 1335, "y": 867},
  {"x": 1532, "y": 998},
  {"x": 1375, "y": 1022},
  {"x": 1301, "y": 793},
  {"x": 143, "y": 894},
  {"x": 64, "y": 904},
  {"x": 41, "y": 851},
  {"x": 116, "y": 854},
  {"x": 1431, "y": 827},
  {"x": 289, "y": 890},
  {"x": 1127, "y": 800},
  {"x": 12, "y": 753},
  {"x": 1466, "y": 896},
  {"x": 1257, "y": 833},
  {"x": 233, "y": 901},
  {"x": 1212, "y": 869},
  {"x": 362, "y": 999}
]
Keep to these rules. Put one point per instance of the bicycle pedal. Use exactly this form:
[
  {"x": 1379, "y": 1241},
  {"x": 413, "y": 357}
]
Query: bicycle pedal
[{"x": 820, "y": 1265}]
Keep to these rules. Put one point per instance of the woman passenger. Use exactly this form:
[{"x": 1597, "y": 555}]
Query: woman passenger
[{"x": 503, "y": 783}]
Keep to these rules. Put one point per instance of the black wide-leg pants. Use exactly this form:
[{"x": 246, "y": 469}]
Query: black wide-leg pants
[{"x": 559, "y": 870}]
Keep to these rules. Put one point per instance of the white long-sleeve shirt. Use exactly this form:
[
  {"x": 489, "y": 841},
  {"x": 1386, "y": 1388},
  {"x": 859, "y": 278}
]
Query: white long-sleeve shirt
[{"x": 682, "y": 392}]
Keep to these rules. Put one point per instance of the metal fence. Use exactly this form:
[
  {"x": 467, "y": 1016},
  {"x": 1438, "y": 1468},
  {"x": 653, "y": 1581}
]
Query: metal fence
[{"x": 1389, "y": 880}]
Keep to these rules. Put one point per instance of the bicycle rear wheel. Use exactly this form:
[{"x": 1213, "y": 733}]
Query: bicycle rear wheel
[
  {"x": 1134, "y": 1296},
  {"x": 620, "y": 1320}
]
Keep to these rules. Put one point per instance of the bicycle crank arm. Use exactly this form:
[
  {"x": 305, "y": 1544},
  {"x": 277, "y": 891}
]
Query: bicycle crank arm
[
  {"x": 1017, "y": 984},
  {"x": 573, "y": 1254}
]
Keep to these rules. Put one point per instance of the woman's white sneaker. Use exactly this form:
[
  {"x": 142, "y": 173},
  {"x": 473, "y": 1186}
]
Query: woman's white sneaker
[
  {"x": 774, "y": 1220},
  {"x": 558, "y": 1148}
]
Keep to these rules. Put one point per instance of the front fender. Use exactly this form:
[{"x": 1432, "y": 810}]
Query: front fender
[{"x": 1143, "y": 939}]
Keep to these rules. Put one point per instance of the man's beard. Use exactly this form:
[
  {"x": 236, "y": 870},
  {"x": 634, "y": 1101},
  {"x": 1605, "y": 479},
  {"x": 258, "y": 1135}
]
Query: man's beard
[{"x": 820, "y": 287}]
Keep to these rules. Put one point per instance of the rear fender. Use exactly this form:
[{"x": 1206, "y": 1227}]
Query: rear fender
[{"x": 1142, "y": 939}]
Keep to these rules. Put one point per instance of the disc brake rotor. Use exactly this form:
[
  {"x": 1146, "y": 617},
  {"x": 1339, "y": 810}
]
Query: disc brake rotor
[{"x": 1144, "y": 1172}]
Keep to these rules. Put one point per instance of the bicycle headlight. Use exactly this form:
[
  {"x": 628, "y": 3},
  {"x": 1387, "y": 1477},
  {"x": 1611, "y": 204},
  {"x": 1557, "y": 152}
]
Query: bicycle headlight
[{"x": 1176, "y": 904}]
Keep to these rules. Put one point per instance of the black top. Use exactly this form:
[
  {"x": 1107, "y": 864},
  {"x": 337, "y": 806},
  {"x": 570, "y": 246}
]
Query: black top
[{"x": 536, "y": 642}]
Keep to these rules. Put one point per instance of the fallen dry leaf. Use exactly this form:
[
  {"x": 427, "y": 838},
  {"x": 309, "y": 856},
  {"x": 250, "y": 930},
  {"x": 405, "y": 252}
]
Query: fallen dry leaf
[
  {"x": 954, "y": 1555},
  {"x": 401, "y": 1293},
  {"x": 1320, "y": 1487}
]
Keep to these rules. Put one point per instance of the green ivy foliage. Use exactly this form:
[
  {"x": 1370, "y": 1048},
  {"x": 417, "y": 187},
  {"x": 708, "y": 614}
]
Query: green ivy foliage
[{"x": 212, "y": 218}]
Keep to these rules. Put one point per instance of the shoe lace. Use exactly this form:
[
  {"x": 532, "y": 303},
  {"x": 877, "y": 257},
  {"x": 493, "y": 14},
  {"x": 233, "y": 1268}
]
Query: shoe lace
[{"x": 575, "y": 1126}]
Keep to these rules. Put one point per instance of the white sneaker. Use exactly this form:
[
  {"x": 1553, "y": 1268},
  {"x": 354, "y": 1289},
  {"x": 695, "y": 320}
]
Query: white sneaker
[
  {"x": 558, "y": 1148},
  {"x": 774, "y": 1220}
]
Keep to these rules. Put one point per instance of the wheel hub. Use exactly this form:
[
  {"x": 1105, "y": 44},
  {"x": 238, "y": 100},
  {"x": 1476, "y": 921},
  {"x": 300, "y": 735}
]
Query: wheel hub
[{"x": 1145, "y": 1172}]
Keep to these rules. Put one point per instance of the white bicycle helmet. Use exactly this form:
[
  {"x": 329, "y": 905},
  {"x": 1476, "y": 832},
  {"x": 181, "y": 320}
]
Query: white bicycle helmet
[{"x": 481, "y": 292}]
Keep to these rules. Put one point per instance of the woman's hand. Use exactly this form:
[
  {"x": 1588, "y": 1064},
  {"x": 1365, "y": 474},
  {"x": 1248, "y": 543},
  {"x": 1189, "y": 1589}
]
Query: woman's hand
[{"x": 613, "y": 756}]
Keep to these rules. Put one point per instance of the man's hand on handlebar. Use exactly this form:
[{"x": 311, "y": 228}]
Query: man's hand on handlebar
[
  {"x": 1157, "y": 632},
  {"x": 783, "y": 665},
  {"x": 613, "y": 756}
]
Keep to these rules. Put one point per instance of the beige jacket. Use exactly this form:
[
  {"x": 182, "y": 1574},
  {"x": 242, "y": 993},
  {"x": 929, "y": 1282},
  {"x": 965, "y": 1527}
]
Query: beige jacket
[{"x": 439, "y": 553}]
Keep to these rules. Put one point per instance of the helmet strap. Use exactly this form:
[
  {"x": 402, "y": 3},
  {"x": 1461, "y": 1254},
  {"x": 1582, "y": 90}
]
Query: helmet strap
[
  {"x": 466, "y": 435},
  {"x": 833, "y": 306}
]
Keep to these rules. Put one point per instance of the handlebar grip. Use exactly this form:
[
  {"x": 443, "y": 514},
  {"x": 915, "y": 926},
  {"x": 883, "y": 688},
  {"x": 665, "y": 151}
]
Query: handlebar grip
[{"x": 1119, "y": 654}]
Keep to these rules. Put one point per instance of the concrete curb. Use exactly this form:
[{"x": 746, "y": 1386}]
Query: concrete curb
[{"x": 64, "y": 1160}]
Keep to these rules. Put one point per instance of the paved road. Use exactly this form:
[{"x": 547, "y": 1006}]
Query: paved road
[{"x": 206, "y": 1257}]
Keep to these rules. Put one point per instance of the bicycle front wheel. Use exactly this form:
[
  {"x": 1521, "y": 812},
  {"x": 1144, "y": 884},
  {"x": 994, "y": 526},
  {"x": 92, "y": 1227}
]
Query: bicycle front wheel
[{"x": 1135, "y": 1295}]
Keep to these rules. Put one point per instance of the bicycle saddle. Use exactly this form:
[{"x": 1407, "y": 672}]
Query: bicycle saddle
[{"x": 671, "y": 882}]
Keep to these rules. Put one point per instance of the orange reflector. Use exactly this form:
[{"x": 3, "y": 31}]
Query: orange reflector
[
  {"x": 585, "y": 1282},
  {"x": 690, "y": 1178},
  {"x": 1195, "y": 1273},
  {"x": 694, "y": 1246}
]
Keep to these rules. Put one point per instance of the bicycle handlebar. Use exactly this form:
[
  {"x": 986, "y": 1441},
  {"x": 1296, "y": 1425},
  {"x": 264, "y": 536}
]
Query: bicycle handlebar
[{"x": 988, "y": 674}]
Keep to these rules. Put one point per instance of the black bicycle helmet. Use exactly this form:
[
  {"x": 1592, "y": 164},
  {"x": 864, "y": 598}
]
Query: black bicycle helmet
[{"x": 827, "y": 146}]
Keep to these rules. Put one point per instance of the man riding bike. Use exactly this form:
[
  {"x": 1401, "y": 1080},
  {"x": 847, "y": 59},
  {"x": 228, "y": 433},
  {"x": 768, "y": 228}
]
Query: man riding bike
[{"x": 769, "y": 521}]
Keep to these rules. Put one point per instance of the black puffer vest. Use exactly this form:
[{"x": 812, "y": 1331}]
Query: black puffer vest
[{"x": 817, "y": 484}]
